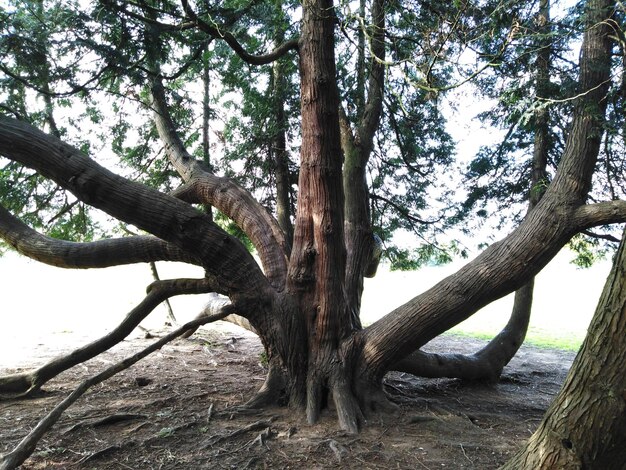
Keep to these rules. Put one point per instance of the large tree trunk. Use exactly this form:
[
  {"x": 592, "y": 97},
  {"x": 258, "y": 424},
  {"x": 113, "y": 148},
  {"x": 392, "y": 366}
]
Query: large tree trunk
[
  {"x": 318, "y": 260},
  {"x": 585, "y": 427}
]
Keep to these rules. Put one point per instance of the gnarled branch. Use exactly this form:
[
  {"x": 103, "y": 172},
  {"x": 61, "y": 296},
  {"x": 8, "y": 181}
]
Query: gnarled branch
[
  {"x": 98, "y": 254},
  {"x": 223, "y": 257},
  {"x": 224, "y": 194}
]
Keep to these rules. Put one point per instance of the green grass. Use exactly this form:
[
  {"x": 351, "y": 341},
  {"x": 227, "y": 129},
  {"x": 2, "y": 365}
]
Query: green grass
[{"x": 535, "y": 337}]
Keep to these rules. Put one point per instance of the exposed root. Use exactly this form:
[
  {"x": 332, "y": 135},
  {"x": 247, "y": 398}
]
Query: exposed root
[
  {"x": 349, "y": 412},
  {"x": 314, "y": 398},
  {"x": 272, "y": 391},
  {"x": 17, "y": 385},
  {"x": 256, "y": 426}
]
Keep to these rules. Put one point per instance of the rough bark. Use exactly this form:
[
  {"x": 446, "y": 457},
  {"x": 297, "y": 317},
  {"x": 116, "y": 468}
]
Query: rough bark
[
  {"x": 318, "y": 259},
  {"x": 585, "y": 426}
]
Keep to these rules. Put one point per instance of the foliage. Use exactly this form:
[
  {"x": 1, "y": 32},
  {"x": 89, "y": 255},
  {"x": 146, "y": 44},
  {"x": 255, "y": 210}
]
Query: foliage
[{"x": 83, "y": 73}]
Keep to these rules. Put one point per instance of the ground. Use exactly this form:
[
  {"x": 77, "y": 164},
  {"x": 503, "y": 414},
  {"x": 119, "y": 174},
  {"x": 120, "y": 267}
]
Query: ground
[{"x": 178, "y": 409}]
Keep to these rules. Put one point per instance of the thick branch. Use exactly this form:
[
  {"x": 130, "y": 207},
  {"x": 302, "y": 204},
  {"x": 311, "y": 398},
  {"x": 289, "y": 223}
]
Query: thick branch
[
  {"x": 507, "y": 265},
  {"x": 215, "y": 32},
  {"x": 98, "y": 254},
  {"x": 224, "y": 194},
  {"x": 26, "y": 382},
  {"x": 357, "y": 148},
  {"x": 486, "y": 364},
  {"x": 222, "y": 256},
  {"x": 602, "y": 213},
  {"x": 27, "y": 446}
]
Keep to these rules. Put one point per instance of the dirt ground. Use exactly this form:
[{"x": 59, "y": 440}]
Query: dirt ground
[{"x": 177, "y": 409}]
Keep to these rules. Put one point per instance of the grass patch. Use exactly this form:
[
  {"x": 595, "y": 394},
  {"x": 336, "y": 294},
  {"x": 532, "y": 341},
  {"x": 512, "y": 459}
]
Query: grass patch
[{"x": 535, "y": 337}]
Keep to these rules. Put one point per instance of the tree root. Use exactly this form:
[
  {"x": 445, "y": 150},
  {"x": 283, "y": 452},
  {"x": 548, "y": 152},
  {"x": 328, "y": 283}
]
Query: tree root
[
  {"x": 27, "y": 446},
  {"x": 256, "y": 426},
  {"x": 272, "y": 390}
]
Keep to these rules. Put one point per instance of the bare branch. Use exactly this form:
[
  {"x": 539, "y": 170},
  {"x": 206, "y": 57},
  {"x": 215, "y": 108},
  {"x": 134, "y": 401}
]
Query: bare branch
[
  {"x": 98, "y": 254},
  {"x": 215, "y": 32},
  {"x": 24, "y": 383},
  {"x": 600, "y": 236},
  {"x": 27, "y": 446}
]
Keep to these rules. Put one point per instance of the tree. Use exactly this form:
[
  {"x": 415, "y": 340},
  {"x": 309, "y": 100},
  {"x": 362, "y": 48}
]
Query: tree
[
  {"x": 303, "y": 300},
  {"x": 585, "y": 425}
]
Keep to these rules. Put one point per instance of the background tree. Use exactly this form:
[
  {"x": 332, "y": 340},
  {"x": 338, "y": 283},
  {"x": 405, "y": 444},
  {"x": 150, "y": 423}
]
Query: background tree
[{"x": 303, "y": 297}]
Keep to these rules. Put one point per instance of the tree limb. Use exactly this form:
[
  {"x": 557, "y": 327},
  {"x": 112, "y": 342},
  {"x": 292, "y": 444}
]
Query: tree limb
[
  {"x": 224, "y": 194},
  {"x": 24, "y": 383},
  {"x": 233, "y": 269},
  {"x": 214, "y": 31},
  {"x": 488, "y": 362},
  {"x": 601, "y": 213},
  {"x": 98, "y": 254},
  {"x": 27, "y": 446}
]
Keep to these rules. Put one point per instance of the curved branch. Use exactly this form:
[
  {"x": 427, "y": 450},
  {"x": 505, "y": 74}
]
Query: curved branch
[
  {"x": 27, "y": 446},
  {"x": 21, "y": 384},
  {"x": 233, "y": 269},
  {"x": 98, "y": 254},
  {"x": 215, "y": 32},
  {"x": 488, "y": 362},
  {"x": 216, "y": 303},
  {"x": 224, "y": 194},
  {"x": 601, "y": 213},
  {"x": 508, "y": 264}
]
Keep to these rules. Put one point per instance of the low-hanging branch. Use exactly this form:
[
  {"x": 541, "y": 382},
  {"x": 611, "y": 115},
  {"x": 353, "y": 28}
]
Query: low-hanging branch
[
  {"x": 97, "y": 254},
  {"x": 27, "y": 446},
  {"x": 22, "y": 384},
  {"x": 485, "y": 364}
]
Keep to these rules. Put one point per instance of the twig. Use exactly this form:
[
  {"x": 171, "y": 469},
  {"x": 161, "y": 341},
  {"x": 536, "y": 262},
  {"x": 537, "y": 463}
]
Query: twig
[
  {"x": 27, "y": 446},
  {"x": 463, "y": 449}
]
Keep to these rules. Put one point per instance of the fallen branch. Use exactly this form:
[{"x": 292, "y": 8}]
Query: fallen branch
[{"x": 27, "y": 446}]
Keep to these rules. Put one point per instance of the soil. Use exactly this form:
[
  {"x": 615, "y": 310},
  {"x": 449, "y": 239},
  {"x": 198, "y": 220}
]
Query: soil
[{"x": 178, "y": 409}]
